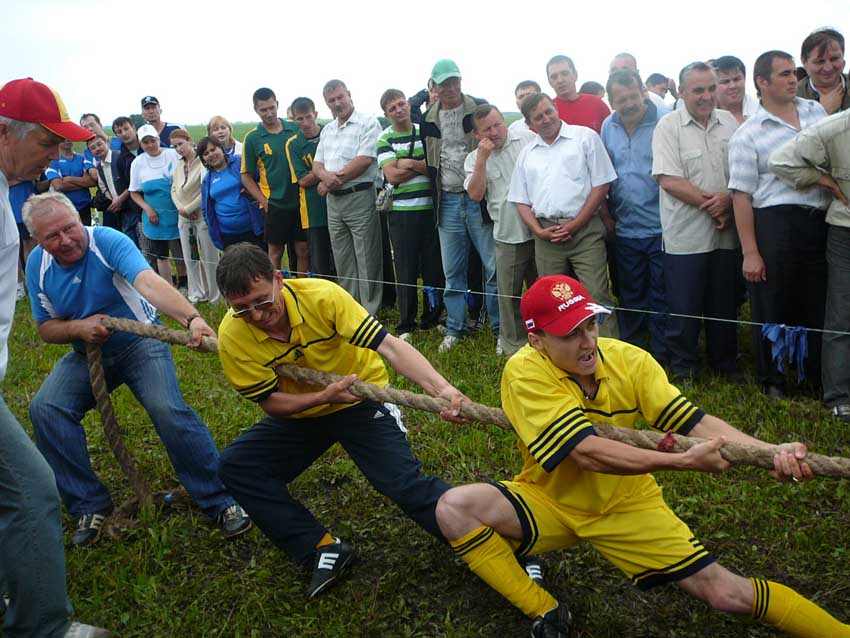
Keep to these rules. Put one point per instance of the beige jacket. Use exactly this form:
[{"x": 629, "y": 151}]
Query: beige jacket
[
  {"x": 186, "y": 192},
  {"x": 823, "y": 148}
]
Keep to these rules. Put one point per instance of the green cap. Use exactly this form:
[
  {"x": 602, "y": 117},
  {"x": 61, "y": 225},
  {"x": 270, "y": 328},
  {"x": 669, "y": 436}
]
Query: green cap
[{"x": 443, "y": 70}]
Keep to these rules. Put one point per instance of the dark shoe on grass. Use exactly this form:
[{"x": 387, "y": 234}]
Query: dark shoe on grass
[
  {"x": 329, "y": 564},
  {"x": 556, "y": 623},
  {"x": 88, "y": 528}
]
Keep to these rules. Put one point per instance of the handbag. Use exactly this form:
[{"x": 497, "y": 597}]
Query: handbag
[{"x": 384, "y": 198}]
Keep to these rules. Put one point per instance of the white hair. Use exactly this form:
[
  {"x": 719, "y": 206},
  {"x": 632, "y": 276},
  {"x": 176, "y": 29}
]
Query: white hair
[
  {"x": 18, "y": 128},
  {"x": 40, "y": 204}
]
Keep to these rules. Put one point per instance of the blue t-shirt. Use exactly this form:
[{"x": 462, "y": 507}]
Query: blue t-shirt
[
  {"x": 71, "y": 167},
  {"x": 230, "y": 208},
  {"x": 101, "y": 282},
  {"x": 152, "y": 176},
  {"x": 18, "y": 195}
]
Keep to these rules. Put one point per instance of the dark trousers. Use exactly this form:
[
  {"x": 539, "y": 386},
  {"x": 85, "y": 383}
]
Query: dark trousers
[
  {"x": 792, "y": 243},
  {"x": 701, "y": 285},
  {"x": 321, "y": 253},
  {"x": 388, "y": 294},
  {"x": 416, "y": 247},
  {"x": 259, "y": 465},
  {"x": 643, "y": 289},
  {"x": 835, "y": 373}
]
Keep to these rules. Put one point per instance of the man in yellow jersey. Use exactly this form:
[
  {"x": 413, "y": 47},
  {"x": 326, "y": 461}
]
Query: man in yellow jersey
[
  {"x": 316, "y": 324},
  {"x": 577, "y": 486}
]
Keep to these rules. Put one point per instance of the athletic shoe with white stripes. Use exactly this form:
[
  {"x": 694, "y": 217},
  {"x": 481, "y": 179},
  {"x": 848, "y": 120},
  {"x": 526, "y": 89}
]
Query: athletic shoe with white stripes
[
  {"x": 331, "y": 561},
  {"x": 533, "y": 566},
  {"x": 88, "y": 528}
]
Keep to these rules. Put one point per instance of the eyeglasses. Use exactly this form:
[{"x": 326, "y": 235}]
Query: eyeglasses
[{"x": 263, "y": 305}]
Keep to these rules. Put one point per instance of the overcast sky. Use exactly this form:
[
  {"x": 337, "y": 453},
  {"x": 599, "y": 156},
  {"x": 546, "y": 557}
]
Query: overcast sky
[{"x": 206, "y": 58}]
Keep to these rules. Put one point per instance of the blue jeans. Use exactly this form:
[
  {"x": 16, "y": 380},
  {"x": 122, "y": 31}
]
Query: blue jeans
[
  {"x": 146, "y": 367},
  {"x": 32, "y": 558},
  {"x": 460, "y": 221}
]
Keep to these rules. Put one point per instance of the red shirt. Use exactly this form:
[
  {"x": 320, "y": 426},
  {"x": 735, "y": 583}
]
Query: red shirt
[{"x": 587, "y": 110}]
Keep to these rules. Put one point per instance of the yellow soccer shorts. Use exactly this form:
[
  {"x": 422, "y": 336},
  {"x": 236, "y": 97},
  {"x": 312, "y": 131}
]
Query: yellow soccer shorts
[{"x": 651, "y": 545}]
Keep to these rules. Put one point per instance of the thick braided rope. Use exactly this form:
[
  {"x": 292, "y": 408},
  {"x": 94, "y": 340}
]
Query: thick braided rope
[
  {"x": 138, "y": 483},
  {"x": 735, "y": 453}
]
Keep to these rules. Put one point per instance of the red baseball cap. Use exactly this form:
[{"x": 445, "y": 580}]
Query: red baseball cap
[
  {"x": 557, "y": 304},
  {"x": 26, "y": 100}
]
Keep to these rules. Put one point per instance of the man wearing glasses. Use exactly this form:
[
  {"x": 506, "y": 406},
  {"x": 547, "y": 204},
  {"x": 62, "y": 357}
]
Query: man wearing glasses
[
  {"x": 316, "y": 324},
  {"x": 76, "y": 276}
]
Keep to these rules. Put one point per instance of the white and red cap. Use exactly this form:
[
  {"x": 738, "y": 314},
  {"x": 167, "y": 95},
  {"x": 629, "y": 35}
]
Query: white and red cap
[
  {"x": 557, "y": 304},
  {"x": 26, "y": 100}
]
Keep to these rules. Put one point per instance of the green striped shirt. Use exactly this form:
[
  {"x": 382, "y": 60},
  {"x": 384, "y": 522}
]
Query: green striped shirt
[{"x": 414, "y": 194}]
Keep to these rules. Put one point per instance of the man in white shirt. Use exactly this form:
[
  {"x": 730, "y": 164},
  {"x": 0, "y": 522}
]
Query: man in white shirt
[
  {"x": 522, "y": 91},
  {"x": 782, "y": 230},
  {"x": 732, "y": 88},
  {"x": 560, "y": 180},
  {"x": 347, "y": 167},
  {"x": 488, "y": 176}
]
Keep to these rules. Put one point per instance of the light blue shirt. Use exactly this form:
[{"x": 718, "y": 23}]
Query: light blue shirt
[
  {"x": 635, "y": 193},
  {"x": 100, "y": 282}
]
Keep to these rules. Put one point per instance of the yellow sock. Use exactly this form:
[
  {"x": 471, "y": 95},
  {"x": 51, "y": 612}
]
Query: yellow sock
[
  {"x": 327, "y": 539},
  {"x": 785, "y": 609},
  {"x": 491, "y": 558}
]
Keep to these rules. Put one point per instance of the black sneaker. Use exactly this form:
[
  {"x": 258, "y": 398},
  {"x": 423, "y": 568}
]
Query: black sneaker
[
  {"x": 88, "y": 528},
  {"x": 841, "y": 412},
  {"x": 533, "y": 566},
  {"x": 331, "y": 561},
  {"x": 556, "y": 623},
  {"x": 233, "y": 521}
]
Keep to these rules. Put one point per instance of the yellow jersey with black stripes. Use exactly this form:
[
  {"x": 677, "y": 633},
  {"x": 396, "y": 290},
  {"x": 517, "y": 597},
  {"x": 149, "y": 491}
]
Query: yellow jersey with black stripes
[
  {"x": 551, "y": 415},
  {"x": 331, "y": 332}
]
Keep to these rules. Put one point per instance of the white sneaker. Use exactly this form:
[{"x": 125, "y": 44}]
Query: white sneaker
[
  {"x": 407, "y": 337},
  {"x": 79, "y": 630},
  {"x": 500, "y": 351},
  {"x": 448, "y": 343},
  {"x": 22, "y": 292}
]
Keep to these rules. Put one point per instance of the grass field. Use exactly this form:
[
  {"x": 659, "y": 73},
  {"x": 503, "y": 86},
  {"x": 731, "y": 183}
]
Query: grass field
[{"x": 173, "y": 576}]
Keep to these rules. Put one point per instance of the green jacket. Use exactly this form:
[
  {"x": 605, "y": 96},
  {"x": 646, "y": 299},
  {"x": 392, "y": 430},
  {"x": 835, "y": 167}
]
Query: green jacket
[{"x": 429, "y": 132}]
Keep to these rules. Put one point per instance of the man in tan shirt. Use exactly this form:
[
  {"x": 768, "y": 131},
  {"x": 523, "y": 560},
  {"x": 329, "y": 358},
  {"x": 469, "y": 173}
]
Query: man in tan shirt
[{"x": 700, "y": 245}]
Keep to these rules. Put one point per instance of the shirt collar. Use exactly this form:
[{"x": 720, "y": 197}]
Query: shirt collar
[
  {"x": 565, "y": 132},
  {"x": 686, "y": 118}
]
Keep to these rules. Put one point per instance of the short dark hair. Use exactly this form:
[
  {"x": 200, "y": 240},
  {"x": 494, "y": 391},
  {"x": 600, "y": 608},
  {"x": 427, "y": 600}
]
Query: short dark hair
[
  {"x": 729, "y": 63},
  {"x": 240, "y": 266},
  {"x": 690, "y": 68},
  {"x": 333, "y": 85},
  {"x": 557, "y": 59},
  {"x": 262, "y": 94},
  {"x": 817, "y": 41},
  {"x": 303, "y": 105},
  {"x": 657, "y": 78},
  {"x": 121, "y": 120},
  {"x": 623, "y": 77},
  {"x": 388, "y": 96},
  {"x": 483, "y": 110},
  {"x": 85, "y": 115},
  {"x": 531, "y": 102},
  {"x": 592, "y": 88},
  {"x": 203, "y": 144},
  {"x": 525, "y": 84},
  {"x": 763, "y": 66}
]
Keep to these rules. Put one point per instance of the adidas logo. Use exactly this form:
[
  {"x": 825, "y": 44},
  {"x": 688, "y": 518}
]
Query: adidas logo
[
  {"x": 327, "y": 560},
  {"x": 534, "y": 572}
]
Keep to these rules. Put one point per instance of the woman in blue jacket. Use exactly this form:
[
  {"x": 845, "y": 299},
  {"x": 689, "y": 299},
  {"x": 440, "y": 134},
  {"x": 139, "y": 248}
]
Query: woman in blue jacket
[{"x": 231, "y": 216}]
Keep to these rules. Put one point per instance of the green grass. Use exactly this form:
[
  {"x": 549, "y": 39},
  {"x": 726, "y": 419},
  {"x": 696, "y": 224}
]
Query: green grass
[{"x": 173, "y": 575}]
